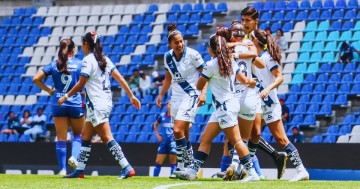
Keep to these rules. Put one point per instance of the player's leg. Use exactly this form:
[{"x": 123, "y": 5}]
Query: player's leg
[
  {"x": 225, "y": 160},
  {"x": 61, "y": 127},
  {"x": 189, "y": 158},
  {"x": 172, "y": 158},
  {"x": 77, "y": 125},
  {"x": 160, "y": 158},
  {"x": 181, "y": 143}
]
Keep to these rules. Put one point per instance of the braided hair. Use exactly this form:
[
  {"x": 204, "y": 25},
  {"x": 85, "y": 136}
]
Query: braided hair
[
  {"x": 223, "y": 54},
  {"x": 266, "y": 39}
]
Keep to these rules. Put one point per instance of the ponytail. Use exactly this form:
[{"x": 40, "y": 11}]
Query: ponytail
[
  {"x": 223, "y": 54},
  {"x": 66, "y": 46},
  {"x": 268, "y": 40},
  {"x": 95, "y": 46}
]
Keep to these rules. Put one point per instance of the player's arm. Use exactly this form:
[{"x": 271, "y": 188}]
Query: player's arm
[
  {"x": 252, "y": 53},
  {"x": 37, "y": 79},
  {"x": 276, "y": 83},
  {"x": 202, "y": 99},
  {"x": 258, "y": 62},
  {"x": 165, "y": 87},
  {"x": 245, "y": 80},
  {"x": 77, "y": 88},
  {"x": 156, "y": 126},
  {"x": 120, "y": 79}
]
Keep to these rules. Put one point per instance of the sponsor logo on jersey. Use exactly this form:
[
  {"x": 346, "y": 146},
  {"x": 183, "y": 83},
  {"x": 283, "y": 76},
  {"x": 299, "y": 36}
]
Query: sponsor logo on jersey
[
  {"x": 222, "y": 121},
  {"x": 186, "y": 114},
  {"x": 270, "y": 117}
]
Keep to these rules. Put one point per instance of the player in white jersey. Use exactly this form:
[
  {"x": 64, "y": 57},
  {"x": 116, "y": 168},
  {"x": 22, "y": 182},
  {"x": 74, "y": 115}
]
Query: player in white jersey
[
  {"x": 220, "y": 72},
  {"x": 270, "y": 78},
  {"x": 95, "y": 72},
  {"x": 250, "y": 20},
  {"x": 183, "y": 66}
]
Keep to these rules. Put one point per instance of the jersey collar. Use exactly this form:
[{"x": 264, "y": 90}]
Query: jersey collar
[
  {"x": 183, "y": 54},
  {"x": 262, "y": 53}
]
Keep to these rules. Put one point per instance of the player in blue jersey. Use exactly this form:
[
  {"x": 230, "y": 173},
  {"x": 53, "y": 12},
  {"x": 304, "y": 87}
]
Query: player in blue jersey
[
  {"x": 163, "y": 128},
  {"x": 183, "y": 66},
  {"x": 269, "y": 79},
  {"x": 220, "y": 73},
  {"x": 95, "y": 76},
  {"x": 65, "y": 73}
]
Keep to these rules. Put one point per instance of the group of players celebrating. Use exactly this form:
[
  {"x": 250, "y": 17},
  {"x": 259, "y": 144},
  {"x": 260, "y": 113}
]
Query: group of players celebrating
[{"x": 243, "y": 75}]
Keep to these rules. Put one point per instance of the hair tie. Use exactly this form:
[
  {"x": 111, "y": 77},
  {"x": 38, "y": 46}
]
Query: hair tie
[{"x": 96, "y": 37}]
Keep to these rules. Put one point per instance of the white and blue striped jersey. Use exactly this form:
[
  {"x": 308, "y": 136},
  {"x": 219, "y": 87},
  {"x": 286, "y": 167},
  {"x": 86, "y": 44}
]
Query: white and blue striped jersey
[
  {"x": 64, "y": 83},
  {"x": 184, "y": 72},
  {"x": 98, "y": 87},
  {"x": 265, "y": 78},
  {"x": 242, "y": 90},
  {"x": 222, "y": 88}
]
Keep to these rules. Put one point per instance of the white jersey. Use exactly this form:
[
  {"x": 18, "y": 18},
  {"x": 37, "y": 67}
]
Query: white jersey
[
  {"x": 184, "y": 72},
  {"x": 265, "y": 77},
  {"x": 98, "y": 87},
  {"x": 222, "y": 88}
]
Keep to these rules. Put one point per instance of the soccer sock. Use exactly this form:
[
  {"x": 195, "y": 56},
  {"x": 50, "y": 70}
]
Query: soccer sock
[
  {"x": 256, "y": 165},
  {"x": 61, "y": 154},
  {"x": 172, "y": 168},
  {"x": 268, "y": 148},
  {"x": 294, "y": 156},
  {"x": 247, "y": 162},
  {"x": 225, "y": 162},
  {"x": 231, "y": 149},
  {"x": 252, "y": 148},
  {"x": 75, "y": 146},
  {"x": 180, "y": 151},
  {"x": 189, "y": 156},
  {"x": 157, "y": 170},
  {"x": 118, "y": 154},
  {"x": 199, "y": 159},
  {"x": 84, "y": 155}
]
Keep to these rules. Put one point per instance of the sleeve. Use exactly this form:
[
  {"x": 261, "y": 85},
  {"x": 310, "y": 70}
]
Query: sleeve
[
  {"x": 86, "y": 68},
  {"x": 47, "y": 69},
  {"x": 236, "y": 68},
  {"x": 165, "y": 63},
  {"x": 208, "y": 70},
  {"x": 110, "y": 65},
  {"x": 271, "y": 64},
  {"x": 159, "y": 118},
  {"x": 197, "y": 60}
]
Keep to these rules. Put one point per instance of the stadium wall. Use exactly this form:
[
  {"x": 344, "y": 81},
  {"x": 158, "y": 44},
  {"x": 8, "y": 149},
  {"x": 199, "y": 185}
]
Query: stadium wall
[{"x": 324, "y": 161}]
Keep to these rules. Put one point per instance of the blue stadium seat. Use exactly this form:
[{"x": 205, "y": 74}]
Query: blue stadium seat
[
  {"x": 309, "y": 36},
  {"x": 119, "y": 137},
  {"x": 292, "y": 5},
  {"x": 297, "y": 78},
  {"x": 348, "y": 120},
  {"x": 347, "y": 78},
  {"x": 328, "y": 57},
  {"x": 207, "y": 19},
  {"x": 341, "y": 99},
  {"x": 24, "y": 138},
  {"x": 148, "y": 60},
  {"x": 328, "y": 4},
  {"x": 309, "y": 121},
  {"x": 320, "y": 37},
  {"x": 340, "y": 4},
  {"x": 318, "y": 46},
  {"x": 142, "y": 39},
  {"x": 356, "y": 36},
  {"x": 263, "y": 26},
  {"x": 315, "y": 57},
  {"x": 152, "y": 8},
  {"x": 323, "y": 26},
  {"x": 313, "y": 68},
  {"x": 305, "y": 5},
  {"x": 330, "y": 139},
  {"x": 15, "y": 21},
  {"x": 349, "y": 68},
  {"x": 19, "y": 12},
  {"x": 353, "y": 4},
  {"x": 143, "y": 138},
  {"x": 338, "y": 14},
  {"x": 304, "y": 57},
  {"x": 316, "y": 139},
  {"x": 38, "y": 21},
  {"x": 313, "y": 109},
  {"x": 307, "y": 89},
  {"x": 278, "y": 16},
  {"x": 335, "y": 26},
  {"x": 3, "y": 137},
  {"x": 130, "y": 138},
  {"x": 331, "y": 89},
  {"x": 317, "y": 5},
  {"x": 150, "y": 50},
  {"x": 162, "y": 50},
  {"x": 330, "y": 46},
  {"x": 300, "y": 68},
  {"x": 325, "y": 15},
  {"x": 306, "y": 47},
  {"x": 258, "y": 5},
  {"x": 291, "y": 99},
  {"x": 269, "y": 6},
  {"x": 335, "y": 79},
  {"x": 294, "y": 89},
  {"x": 30, "y": 11},
  {"x": 183, "y": 19},
  {"x": 154, "y": 109},
  {"x": 221, "y": 8},
  {"x": 319, "y": 89},
  {"x": 124, "y": 29},
  {"x": 187, "y": 8},
  {"x": 291, "y": 15},
  {"x": 192, "y": 31},
  {"x": 345, "y": 129},
  {"x": 198, "y": 8},
  {"x": 314, "y": 15},
  {"x": 310, "y": 27},
  {"x": 357, "y": 79},
  {"x": 280, "y": 6},
  {"x": 300, "y": 109},
  {"x": 27, "y": 21},
  {"x": 333, "y": 129},
  {"x": 150, "y": 119},
  {"x": 266, "y": 16},
  {"x": 275, "y": 26},
  {"x": 348, "y": 25},
  {"x": 296, "y": 120},
  {"x": 337, "y": 68},
  {"x": 195, "y": 18},
  {"x": 266, "y": 136},
  {"x": 210, "y": 7},
  {"x": 175, "y": 8},
  {"x": 310, "y": 79}
]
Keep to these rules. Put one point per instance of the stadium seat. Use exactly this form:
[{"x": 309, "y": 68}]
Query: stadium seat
[
  {"x": 330, "y": 139},
  {"x": 278, "y": 16},
  {"x": 343, "y": 139},
  {"x": 306, "y": 89},
  {"x": 316, "y": 139},
  {"x": 269, "y": 6},
  {"x": 324, "y": 25},
  {"x": 335, "y": 79},
  {"x": 341, "y": 100},
  {"x": 348, "y": 25},
  {"x": 297, "y": 78},
  {"x": 300, "y": 69},
  {"x": 318, "y": 46},
  {"x": 296, "y": 120},
  {"x": 319, "y": 89},
  {"x": 325, "y": 15},
  {"x": 292, "y": 5},
  {"x": 345, "y": 129},
  {"x": 314, "y": 15},
  {"x": 335, "y": 26},
  {"x": 331, "y": 89},
  {"x": 304, "y": 57},
  {"x": 152, "y": 8},
  {"x": 352, "y": 4},
  {"x": 291, "y": 15},
  {"x": 300, "y": 109},
  {"x": 221, "y": 8},
  {"x": 348, "y": 120},
  {"x": 294, "y": 89},
  {"x": 310, "y": 79},
  {"x": 332, "y": 130},
  {"x": 330, "y": 46},
  {"x": 309, "y": 121},
  {"x": 266, "y": 16},
  {"x": 321, "y": 36},
  {"x": 313, "y": 109},
  {"x": 338, "y": 14},
  {"x": 305, "y": 5},
  {"x": 316, "y": 5},
  {"x": 306, "y": 47},
  {"x": 24, "y": 138},
  {"x": 311, "y": 26}
]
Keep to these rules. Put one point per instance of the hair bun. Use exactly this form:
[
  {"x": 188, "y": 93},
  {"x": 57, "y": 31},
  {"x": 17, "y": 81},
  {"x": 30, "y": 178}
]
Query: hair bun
[{"x": 171, "y": 27}]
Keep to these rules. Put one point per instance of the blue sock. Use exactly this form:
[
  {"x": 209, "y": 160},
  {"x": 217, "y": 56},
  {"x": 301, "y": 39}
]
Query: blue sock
[
  {"x": 84, "y": 155},
  {"x": 256, "y": 165},
  {"x": 225, "y": 162},
  {"x": 293, "y": 154},
  {"x": 172, "y": 168},
  {"x": 252, "y": 148},
  {"x": 75, "y": 146},
  {"x": 180, "y": 151},
  {"x": 246, "y": 162},
  {"x": 118, "y": 154},
  {"x": 61, "y": 154},
  {"x": 157, "y": 170},
  {"x": 199, "y": 159}
]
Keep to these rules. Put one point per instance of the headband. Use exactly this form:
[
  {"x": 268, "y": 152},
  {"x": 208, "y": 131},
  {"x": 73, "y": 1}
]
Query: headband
[
  {"x": 173, "y": 32},
  {"x": 253, "y": 35}
]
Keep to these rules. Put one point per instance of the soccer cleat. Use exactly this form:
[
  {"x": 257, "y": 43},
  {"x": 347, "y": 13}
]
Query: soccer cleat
[
  {"x": 230, "y": 173},
  {"x": 62, "y": 172},
  {"x": 220, "y": 174},
  {"x": 187, "y": 174},
  {"x": 75, "y": 174},
  {"x": 251, "y": 176},
  {"x": 301, "y": 175},
  {"x": 172, "y": 176},
  {"x": 262, "y": 177},
  {"x": 72, "y": 162},
  {"x": 127, "y": 172},
  {"x": 281, "y": 164}
]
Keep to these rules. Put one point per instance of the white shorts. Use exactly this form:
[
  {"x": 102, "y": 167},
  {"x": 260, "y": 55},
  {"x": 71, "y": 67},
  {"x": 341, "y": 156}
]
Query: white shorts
[
  {"x": 271, "y": 114},
  {"x": 226, "y": 115},
  {"x": 258, "y": 106},
  {"x": 248, "y": 105},
  {"x": 96, "y": 117},
  {"x": 184, "y": 109}
]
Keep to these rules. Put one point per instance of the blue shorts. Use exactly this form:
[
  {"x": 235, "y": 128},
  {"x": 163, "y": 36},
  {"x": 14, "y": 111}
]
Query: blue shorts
[
  {"x": 167, "y": 147},
  {"x": 68, "y": 111}
]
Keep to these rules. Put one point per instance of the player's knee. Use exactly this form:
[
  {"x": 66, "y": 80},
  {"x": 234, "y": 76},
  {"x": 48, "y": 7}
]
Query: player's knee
[
  {"x": 282, "y": 141},
  {"x": 205, "y": 140}
]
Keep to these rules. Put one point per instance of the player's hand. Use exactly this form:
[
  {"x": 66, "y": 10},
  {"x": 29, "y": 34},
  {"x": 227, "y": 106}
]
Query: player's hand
[
  {"x": 252, "y": 83},
  {"x": 265, "y": 93},
  {"x": 159, "y": 138},
  {"x": 51, "y": 92},
  {"x": 61, "y": 101},
  {"x": 135, "y": 102},
  {"x": 201, "y": 100},
  {"x": 159, "y": 100}
]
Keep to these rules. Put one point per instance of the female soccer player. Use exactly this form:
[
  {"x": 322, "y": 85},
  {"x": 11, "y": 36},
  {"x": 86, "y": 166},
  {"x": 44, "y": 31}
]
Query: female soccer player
[
  {"x": 220, "y": 72},
  {"x": 250, "y": 20},
  {"x": 164, "y": 132},
  {"x": 95, "y": 72},
  {"x": 183, "y": 66},
  {"x": 65, "y": 73},
  {"x": 270, "y": 78}
]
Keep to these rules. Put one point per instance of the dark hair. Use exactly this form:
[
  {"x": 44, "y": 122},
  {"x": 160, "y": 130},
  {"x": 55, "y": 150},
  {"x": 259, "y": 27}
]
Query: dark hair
[
  {"x": 27, "y": 112},
  {"x": 282, "y": 33},
  {"x": 39, "y": 109},
  {"x": 223, "y": 54},
  {"x": 172, "y": 31},
  {"x": 224, "y": 32},
  {"x": 10, "y": 113},
  {"x": 273, "y": 49},
  {"x": 95, "y": 46},
  {"x": 250, "y": 11},
  {"x": 344, "y": 45},
  {"x": 66, "y": 46},
  {"x": 268, "y": 29}
]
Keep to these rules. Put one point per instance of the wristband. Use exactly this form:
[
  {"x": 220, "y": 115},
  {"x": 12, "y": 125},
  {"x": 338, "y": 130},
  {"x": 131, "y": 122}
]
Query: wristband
[{"x": 66, "y": 96}]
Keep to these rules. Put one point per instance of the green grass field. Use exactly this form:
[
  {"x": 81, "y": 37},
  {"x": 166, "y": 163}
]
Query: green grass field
[{"x": 108, "y": 182}]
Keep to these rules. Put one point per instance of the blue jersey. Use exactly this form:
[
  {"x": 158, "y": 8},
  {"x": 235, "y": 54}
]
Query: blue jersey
[
  {"x": 63, "y": 83},
  {"x": 165, "y": 126}
]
